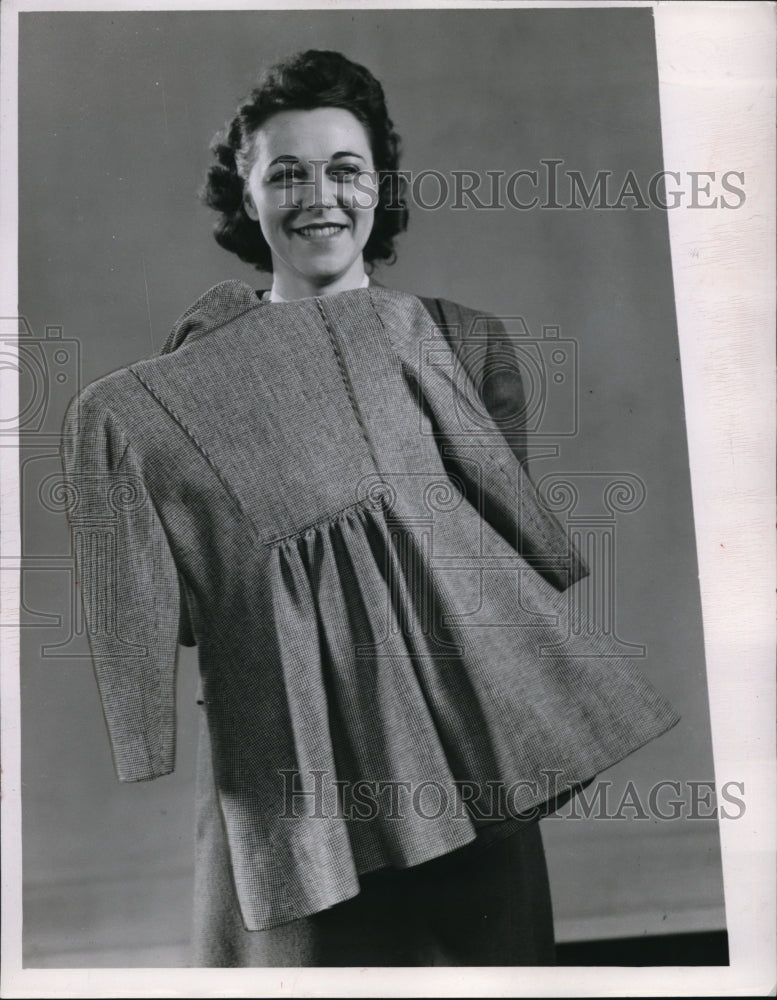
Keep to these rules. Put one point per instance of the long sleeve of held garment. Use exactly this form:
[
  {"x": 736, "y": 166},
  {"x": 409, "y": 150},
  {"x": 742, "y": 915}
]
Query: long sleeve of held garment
[{"x": 129, "y": 589}]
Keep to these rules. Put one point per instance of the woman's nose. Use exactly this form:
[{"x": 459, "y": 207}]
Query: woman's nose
[{"x": 320, "y": 191}]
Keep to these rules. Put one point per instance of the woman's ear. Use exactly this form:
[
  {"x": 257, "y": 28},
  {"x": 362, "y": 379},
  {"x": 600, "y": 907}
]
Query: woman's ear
[{"x": 250, "y": 206}]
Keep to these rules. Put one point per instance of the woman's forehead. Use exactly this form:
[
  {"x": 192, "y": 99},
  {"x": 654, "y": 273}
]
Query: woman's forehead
[{"x": 317, "y": 134}]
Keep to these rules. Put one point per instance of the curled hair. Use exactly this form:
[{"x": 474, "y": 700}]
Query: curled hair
[{"x": 310, "y": 80}]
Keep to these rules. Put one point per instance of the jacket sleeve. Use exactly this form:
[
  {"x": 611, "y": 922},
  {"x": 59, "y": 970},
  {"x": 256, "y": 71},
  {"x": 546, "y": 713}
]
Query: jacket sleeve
[
  {"x": 475, "y": 399},
  {"x": 129, "y": 586}
]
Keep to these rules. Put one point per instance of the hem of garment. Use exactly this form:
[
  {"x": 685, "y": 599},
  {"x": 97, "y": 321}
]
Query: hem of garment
[{"x": 307, "y": 910}]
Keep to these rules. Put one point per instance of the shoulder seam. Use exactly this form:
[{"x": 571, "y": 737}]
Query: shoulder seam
[{"x": 199, "y": 446}]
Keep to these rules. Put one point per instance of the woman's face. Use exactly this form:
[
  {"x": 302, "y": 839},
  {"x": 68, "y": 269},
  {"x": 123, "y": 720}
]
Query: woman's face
[{"x": 311, "y": 187}]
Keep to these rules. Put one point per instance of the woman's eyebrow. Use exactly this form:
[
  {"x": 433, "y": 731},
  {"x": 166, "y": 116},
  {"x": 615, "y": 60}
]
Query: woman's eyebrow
[
  {"x": 285, "y": 158},
  {"x": 288, "y": 158}
]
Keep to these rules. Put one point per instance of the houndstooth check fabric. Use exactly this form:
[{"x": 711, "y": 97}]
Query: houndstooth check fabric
[{"x": 319, "y": 495}]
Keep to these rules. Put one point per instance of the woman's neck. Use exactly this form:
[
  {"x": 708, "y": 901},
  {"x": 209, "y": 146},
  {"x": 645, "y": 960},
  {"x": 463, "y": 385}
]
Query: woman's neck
[
  {"x": 287, "y": 286},
  {"x": 274, "y": 295}
]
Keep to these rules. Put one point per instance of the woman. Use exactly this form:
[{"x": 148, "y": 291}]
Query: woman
[{"x": 322, "y": 487}]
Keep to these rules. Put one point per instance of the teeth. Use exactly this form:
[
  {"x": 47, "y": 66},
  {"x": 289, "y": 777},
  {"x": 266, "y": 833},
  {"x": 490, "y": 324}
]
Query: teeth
[{"x": 319, "y": 230}]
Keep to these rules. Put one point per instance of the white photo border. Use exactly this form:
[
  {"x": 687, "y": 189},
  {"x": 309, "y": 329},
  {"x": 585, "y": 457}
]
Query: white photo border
[{"x": 716, "y": 63}]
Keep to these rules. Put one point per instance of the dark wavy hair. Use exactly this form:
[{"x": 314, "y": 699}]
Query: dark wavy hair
[{"x": 309, "y": 80}]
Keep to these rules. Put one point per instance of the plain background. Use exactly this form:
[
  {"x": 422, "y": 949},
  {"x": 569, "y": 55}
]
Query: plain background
[{"x": 116, "y": 113}]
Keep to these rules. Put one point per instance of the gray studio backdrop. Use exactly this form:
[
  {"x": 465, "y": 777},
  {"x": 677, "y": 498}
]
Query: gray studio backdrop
[{"x": 116, "y": 114}]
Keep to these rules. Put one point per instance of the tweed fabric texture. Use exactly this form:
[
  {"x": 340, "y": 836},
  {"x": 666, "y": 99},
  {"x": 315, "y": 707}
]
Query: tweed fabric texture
[
  {"x": 477, "y": 905},
  {"x": 317, "y": 495}
]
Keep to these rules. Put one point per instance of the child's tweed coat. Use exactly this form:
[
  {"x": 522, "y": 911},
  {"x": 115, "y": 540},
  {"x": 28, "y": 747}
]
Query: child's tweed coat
[{"x": 325, "y": 496}]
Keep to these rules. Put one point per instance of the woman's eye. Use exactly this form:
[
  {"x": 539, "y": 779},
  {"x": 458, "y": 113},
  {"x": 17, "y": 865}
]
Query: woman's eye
[
  {"x": 294, "y": 174},
  {"x": 345, "y": 172},
  {"x": 289, "y": 175}
]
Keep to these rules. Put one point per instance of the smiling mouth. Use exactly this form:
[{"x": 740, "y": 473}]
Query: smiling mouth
[{"x": 319, "y": 230}]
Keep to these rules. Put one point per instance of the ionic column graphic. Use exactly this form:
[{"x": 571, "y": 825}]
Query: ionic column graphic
[
  {"x": 95, "y": 506},
  {"x": 413, "y": 608},
  {"x": 591, "y": 502}
]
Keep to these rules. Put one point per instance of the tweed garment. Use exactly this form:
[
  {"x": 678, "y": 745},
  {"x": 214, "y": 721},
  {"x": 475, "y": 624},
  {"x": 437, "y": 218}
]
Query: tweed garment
[
  {"x": 474, "y": 906},
  {"x": 315, "y": 494}
]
